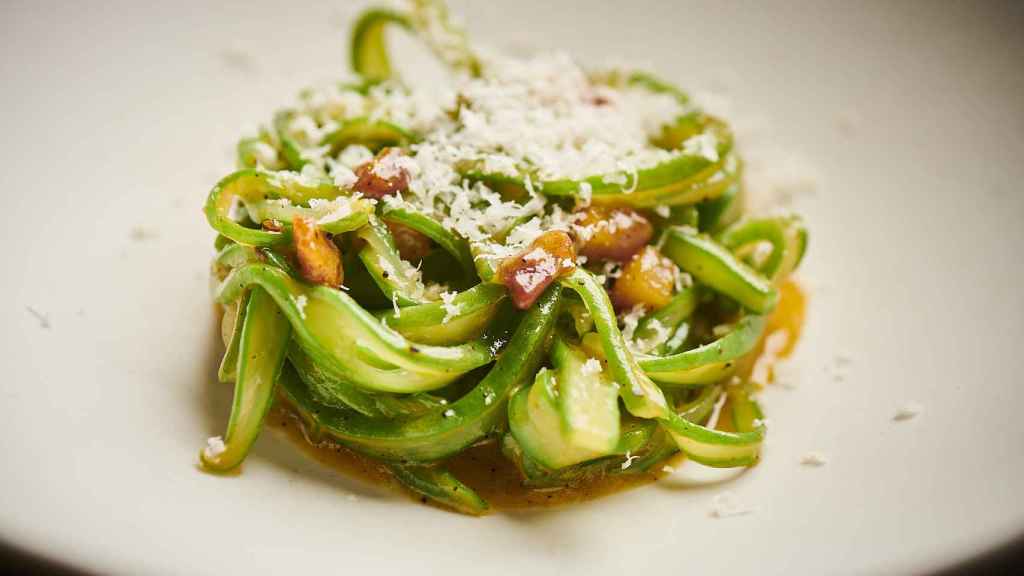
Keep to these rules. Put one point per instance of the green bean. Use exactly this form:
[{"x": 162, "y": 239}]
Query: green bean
[
  {"x": 440, "y": 486},
  {"x": 708, "y": 363},
  {"x": 261, "y": 354},
  {"x": 374, "y": 134},
  {"x": 254, "y": 186},
  {"x": 431, "y": 323},
  {"x": 368, "y": 50},
  {"x": 714, "y": 266},
  {"x": 786, "y": 235},
  {"x": 348, "y": 342},
  {"x": 445, "y": 238},
  {"x": 439, "y": 434}
]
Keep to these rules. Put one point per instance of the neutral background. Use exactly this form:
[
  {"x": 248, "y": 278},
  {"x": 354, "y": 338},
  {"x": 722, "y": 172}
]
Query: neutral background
[{"x": 896, "y": 127}]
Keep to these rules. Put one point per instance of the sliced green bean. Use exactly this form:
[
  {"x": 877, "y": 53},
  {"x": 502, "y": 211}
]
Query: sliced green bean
[
  {"x": 329, "y": 217},
  {"x": 641, "y": 396},
  {"x": 368, "y": 51},
  {"x": 254, "y": 186},
  {"x": 437, "y": 435},
  {"x": 786, "y": 235},
  {"x": 347, "y": 341},
  {"x": 261, "y": 354},
  {"x": 432, "y": 323},
  {"x": 683, "y": 179},
  {"x": 717, "y": 213},
  {"x": 669, "y": 317},
  {"x": 333, "y": 391},
  {"x": 662, "y": 445},
  {"x": 445, "y": 238},
  {"x": 714, "y": 266},
  {"x": 708, "y": 363},
  {"x": 291, "y": 151},
  {"x": 374, "y": 134},
  {"x": 228, "y": 369},
  {"x": 441, "y": 486},
  {"x": 395, "y": 277}
]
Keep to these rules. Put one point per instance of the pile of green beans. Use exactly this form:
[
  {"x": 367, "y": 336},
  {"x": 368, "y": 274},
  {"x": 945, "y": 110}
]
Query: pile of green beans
[{"x": 388, "y": 371}]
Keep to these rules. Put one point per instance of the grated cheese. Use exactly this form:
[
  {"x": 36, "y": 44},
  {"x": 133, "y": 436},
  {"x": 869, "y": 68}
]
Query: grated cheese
[
  {"x": 214, "y": 447},
  {"x": 591, "y": 366},
  {"x": 814, "y": 459},
  {"x": 727, "y": 504},
  {"x": 451, "y": 309},
  {"x": 629, "y": 460}
]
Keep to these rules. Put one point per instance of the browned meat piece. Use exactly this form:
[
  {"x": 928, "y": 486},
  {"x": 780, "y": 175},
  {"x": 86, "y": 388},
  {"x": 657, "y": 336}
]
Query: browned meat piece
[
  {"x": 319, "y": 258},
  {"x": 527, "y": 274},
  {"x": 382, "y": 176},
  {"x": 648, "y": 279},
  {"x": 412, "y": 244},
  {"x": 612, "y": 233}
]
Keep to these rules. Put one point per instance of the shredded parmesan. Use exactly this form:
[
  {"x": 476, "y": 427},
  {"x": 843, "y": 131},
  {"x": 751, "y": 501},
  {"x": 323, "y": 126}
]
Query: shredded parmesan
[
  {"x": 451, "y": 309},
  {"x": 591, "y": 366},
  {"x": 629, "y": 460},
  {"x": 214, "y": 447},
  {"x": 814, "y": 459},
  {"x": 727, "y": 504}
]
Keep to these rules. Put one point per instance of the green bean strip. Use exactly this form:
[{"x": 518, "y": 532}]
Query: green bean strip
[
  {"x": 720, "y": 212},
  {"x": 644, "y": 399},
  {"x": 395, "y": 277},
  {"x": 684, "y": 179},
  {"x": 445, "y": 238},
  {"x": 715, "y": 448},
  {"x": 708, "y": 363},
  {"x": 256, "y": 185},
  {"x": 535, "y": 422},
  {"x": 440, "y": 434},
  {"x": 291, "y": 152},
  {"x": 786, "y": 234},
  {"x": 368, "y": 49},
  {"x": 661, "y": 445},
  {"x": 228, "y": 369},
  {"x": 716, "y": 267},
  {"x": 641, "y": 396},
  {"x": 636, "y": 434},
  {"x": 429, "y": 19},
  {"x": 374, "y": 134},
  {"x": 671, "y": 316},
  {"x": 261, "y": 354},
  {"x": 332, "y": 391},
  {"x": 746, "y": 412},
  {"x": 432, "y": 324},
  {"x": 347, "y": 341},
  {"x": 249, "y": 157},
  {"x": 352, "y": 215},
  {"x": 442, "y": 487}
]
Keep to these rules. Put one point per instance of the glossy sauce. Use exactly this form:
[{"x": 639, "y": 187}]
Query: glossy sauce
[{"x": 484, "y": 469}]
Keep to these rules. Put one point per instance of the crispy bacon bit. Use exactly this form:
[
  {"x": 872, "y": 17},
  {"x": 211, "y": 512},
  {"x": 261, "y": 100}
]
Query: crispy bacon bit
[
  {"x": 527, "y": 274},
  {"x": 412, "y": 244},
  {"x": 382, "y": 176},
  {"x": 319, "y": 258},
  {"x": 272, "y": 225},
  {"x": 612, "y": 233},
  {"x": 648, "y": 279}
]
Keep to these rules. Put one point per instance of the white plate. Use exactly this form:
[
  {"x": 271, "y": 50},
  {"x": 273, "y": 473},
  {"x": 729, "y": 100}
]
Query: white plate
[{"x": 118, "y": 118}]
